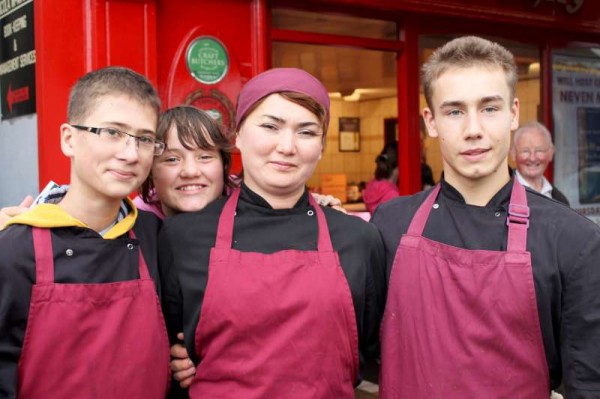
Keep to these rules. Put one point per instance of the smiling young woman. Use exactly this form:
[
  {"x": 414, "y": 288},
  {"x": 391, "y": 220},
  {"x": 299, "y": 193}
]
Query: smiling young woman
[{"x": 296, "y": 290}]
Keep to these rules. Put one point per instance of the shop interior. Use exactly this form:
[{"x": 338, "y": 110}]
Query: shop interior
[{"x": 363, "y": 89}]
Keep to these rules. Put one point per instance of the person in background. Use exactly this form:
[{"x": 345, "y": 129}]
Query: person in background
[
  {"x": 295, "y": 291},
  {"x": 384, "y": 186},
  {"x": 532, "y": 151},
  {"x": 493, "y": 289},
  {"x": 78, "y": 277}
]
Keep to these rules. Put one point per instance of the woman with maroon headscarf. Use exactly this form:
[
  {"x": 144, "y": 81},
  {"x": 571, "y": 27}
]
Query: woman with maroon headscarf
[{"x": 277, "y": 296}]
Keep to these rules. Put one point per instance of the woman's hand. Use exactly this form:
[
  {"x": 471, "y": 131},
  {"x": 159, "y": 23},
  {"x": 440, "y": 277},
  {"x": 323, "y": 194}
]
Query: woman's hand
[
  {"x": 329, "y": 200},
  {"x": 182, "y": 367}
]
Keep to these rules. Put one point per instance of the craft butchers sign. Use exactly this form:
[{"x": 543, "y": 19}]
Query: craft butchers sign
[
  {"x": 207, "y": 60},
  {"x": 17, "y": 58}
]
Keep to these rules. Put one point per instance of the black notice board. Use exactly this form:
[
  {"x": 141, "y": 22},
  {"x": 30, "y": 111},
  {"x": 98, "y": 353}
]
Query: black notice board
[{"x": 17, "y": 59}]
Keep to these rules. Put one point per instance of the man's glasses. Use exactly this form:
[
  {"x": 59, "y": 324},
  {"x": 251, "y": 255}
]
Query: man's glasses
[{"x": 112, "y": 135}]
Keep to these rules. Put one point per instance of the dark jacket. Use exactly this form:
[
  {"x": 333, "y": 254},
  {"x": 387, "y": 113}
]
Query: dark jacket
[{"x": 558, "y": 196}]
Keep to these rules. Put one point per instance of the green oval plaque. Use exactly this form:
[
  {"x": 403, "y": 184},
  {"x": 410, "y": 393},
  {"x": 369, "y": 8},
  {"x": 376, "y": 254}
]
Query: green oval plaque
[{"x": 207, "y": 60}]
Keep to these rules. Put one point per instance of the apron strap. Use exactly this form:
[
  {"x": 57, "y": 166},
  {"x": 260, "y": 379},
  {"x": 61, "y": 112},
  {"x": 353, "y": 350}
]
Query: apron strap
[
  {"x": 417, "y": 225},
  {"x": 225, "y": 227},
  {"x": 44, "y": 259},
  {"x": 324, "y": 243},
  {"x": 518, "y": 219},
  {"x": 142, "y": 266}
]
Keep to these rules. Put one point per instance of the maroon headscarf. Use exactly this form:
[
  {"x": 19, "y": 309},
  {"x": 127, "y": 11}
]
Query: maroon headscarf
[{"x": 277, "y": 80}]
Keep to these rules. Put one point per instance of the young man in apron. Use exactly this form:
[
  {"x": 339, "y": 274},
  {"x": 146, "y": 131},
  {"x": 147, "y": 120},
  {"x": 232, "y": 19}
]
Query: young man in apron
[
  {"x": 493, "y": 290},
  {"x": 79, "y": 311}
]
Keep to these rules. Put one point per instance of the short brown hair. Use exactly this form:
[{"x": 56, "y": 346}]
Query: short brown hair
[
  {"x": 112, "y": 80},
  {"x": 465, "y": 52},
  {"x": 195, "y": 129},
  {"x": 302, "y": 100}
]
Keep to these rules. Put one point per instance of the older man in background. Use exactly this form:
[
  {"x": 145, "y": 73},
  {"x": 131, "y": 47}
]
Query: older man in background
[{"x": 532, "y": 150}]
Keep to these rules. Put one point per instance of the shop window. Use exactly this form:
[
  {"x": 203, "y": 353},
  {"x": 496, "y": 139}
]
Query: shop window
[{"x": 576, "y": 119}]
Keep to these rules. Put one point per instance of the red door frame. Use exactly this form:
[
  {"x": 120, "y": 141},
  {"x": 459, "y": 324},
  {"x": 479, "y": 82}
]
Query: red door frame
[{"x": 409, "y": 133}]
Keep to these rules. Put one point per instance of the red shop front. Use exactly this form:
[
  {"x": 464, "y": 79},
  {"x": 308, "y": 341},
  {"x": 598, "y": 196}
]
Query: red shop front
[{"x": 367, "y": 52}]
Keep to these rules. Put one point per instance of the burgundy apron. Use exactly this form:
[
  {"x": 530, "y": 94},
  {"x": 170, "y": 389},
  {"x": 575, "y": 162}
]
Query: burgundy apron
[
  {"x": 462, "y": 323},
  {"x": 278, "y": 325},
  {"x": 105, "y": 341}
]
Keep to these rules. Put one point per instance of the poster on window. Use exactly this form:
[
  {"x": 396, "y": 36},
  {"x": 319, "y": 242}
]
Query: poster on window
[
  {"x": 576, "y": 111},
  {"x": 349, "y": 134}
]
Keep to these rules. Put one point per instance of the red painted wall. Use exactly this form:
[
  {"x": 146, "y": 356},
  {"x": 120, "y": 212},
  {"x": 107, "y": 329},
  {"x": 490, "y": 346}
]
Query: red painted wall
[
  {"x": 151, "y": 36},
  {"x": 237, "y": 24}
]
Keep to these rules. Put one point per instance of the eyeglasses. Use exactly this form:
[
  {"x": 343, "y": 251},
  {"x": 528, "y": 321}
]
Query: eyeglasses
[
  {"x": 526, "y": 152},
  {"x": 112, "y": 135}
]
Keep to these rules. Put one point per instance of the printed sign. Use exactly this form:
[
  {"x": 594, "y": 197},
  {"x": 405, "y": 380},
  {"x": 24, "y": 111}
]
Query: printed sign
[
  {"x": 207, "y": 60},
  {"x": 17, "y": 58},
  {"x": 349, "y": 134},
  {"x": 588, "y": 129},
  {"x": 576, "y": 108}
]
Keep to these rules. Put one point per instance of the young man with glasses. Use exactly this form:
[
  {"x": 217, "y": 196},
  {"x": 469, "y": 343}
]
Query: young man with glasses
[
  {"x": 532, "y": 150},
  {"x": 79, "y": 311}
]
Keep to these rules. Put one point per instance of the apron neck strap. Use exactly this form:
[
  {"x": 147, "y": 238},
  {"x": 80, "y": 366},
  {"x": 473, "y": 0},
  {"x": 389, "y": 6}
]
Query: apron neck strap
[
  {"x": 225, "y": 227},
  {"x": 518, "y": 218},
  {"x": 417, "y": 225},
  {"x": 142, "y": 266},
  {"x": 44, "y": 258},
  {"x": 324, "y": 243}
]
